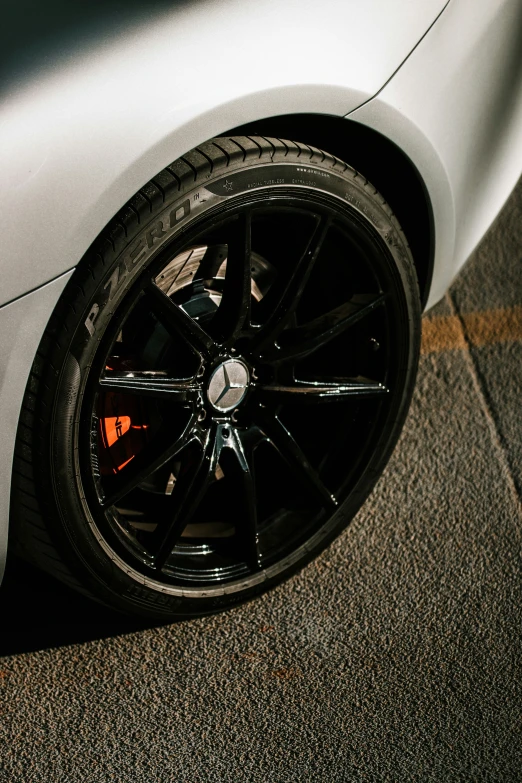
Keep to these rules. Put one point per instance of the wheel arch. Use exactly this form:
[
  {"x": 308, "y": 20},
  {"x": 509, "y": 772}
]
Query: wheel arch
[{"x": 377, "y": 158}]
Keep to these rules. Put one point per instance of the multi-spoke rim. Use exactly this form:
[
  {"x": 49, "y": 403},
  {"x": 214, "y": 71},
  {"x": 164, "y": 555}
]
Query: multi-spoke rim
[{"x": 278, "y": 464}]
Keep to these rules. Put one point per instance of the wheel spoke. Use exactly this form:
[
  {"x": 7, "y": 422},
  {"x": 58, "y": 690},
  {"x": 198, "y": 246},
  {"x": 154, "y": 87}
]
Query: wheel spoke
[
  {"x": 189, "y": 491},
  {"x": 155, "y": 454},
  {"x": 313, "y": 392},
  {"x": 176, "y": 319},
  {"x": 243, "y": 444},
  {"x": 145, "y": 385},
  {"x": 280, "y": 303},
  {"x": 292, "y": 454},
  {"x": 303, "y": 340},
  {"x": 211, "y": 262},
  {"x": 233, "y": 314}
]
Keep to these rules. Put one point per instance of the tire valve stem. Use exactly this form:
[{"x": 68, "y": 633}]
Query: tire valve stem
[
  {"x": 170, "y": 484},
  {"x": 374, "y": 345}
]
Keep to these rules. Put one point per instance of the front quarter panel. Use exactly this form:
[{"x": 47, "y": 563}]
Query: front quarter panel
[{"x": 80, "y": 138}]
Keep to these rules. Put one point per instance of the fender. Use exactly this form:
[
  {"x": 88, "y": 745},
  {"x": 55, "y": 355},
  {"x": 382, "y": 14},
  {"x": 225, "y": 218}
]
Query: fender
[{"x": 79, "y": 138}]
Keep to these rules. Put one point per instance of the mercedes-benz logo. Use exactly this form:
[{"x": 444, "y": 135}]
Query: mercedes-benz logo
[{"x": 228, "y": 385}]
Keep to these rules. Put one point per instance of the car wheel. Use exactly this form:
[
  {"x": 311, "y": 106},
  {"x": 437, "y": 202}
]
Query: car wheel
[{"x": 221, "y": 383}]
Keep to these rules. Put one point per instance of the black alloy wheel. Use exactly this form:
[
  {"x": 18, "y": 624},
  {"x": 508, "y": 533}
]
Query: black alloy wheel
[{"x": 233, "y": 380}]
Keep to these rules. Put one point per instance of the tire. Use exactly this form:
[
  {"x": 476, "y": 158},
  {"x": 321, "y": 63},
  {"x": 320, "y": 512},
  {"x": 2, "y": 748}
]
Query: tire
[{"x": 221, "y": 384}]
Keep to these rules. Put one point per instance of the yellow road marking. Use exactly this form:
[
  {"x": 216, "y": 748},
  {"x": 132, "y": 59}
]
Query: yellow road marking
[{"x": 454, "y": 332}]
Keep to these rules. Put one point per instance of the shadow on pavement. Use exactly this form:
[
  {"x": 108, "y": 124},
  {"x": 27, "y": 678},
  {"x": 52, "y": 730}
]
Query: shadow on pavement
[{"x": 38, "y": 612}]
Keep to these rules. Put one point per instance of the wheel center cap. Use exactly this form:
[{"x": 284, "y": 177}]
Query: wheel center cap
[{"x": 228, "y": 385}]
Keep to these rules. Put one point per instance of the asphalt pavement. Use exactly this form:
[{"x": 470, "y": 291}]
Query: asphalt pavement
[{"x": 396, "y": 656}]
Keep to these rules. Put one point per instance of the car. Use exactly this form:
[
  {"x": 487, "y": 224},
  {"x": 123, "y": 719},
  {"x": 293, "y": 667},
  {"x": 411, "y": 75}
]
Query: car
[{"x": 222, "y": 221}]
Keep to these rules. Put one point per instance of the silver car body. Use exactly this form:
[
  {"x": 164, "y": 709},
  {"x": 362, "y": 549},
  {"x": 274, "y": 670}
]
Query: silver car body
[{"x": 80, "y": 135}]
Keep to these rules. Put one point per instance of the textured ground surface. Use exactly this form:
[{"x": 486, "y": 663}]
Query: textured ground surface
[{"x": 395, "y": 656}]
